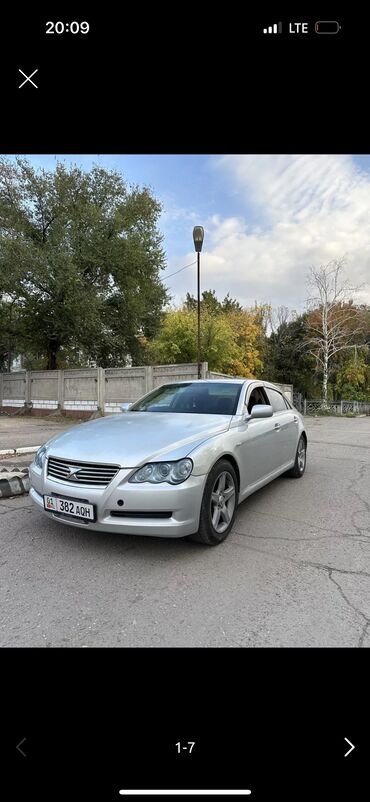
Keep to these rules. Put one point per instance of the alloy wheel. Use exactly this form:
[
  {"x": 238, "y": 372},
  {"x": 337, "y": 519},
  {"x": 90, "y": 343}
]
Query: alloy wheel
[
  {"x": 223, "y": 499},
  {"x": 301, "y": 455}
]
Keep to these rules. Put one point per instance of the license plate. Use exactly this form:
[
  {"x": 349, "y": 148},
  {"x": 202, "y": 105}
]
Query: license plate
[{"x": 69, "y": 506}]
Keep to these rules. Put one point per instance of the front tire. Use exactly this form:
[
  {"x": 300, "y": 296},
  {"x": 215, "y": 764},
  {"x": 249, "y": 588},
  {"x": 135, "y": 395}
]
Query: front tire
[
  {"x": 300, "y": 460},
  {"x": 219, "y": 503}
]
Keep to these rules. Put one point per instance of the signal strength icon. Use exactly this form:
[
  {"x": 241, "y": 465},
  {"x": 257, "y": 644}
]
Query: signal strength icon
[{"x": 277, "y": 27}]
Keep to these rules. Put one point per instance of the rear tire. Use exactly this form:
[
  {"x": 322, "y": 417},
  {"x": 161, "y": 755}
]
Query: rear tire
[
  {"x": 219, "y": 504},
  {"x": 300, "y": 460}
]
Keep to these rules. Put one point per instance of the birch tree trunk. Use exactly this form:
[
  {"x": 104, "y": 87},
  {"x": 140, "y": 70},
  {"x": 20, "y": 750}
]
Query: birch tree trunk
[
  {"x": 325, "y": 353},
  {"x": 325, "y": 383}
]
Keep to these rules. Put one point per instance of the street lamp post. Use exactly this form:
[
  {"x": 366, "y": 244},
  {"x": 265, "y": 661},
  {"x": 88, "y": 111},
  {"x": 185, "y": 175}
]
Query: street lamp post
[{"x": 198, "y": 237}]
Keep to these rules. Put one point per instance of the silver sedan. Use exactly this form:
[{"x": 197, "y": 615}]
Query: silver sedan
[{"x": 176, "y": 463}]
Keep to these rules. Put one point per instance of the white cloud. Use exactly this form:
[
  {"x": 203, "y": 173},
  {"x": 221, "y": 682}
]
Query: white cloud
[{"x": 300, "y": 211}]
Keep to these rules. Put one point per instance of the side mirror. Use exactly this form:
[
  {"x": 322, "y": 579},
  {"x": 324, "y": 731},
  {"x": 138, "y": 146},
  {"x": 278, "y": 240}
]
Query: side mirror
[
  {"x": 260, "y": 411},
  {"x": 126, "y": 406}
]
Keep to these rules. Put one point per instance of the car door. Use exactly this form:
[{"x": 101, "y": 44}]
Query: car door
[
  {"x": 285, "y": 427},
  {"x": 256, "y": 442}
]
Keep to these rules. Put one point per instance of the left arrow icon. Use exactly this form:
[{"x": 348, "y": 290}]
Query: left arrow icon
[
  {"x": 19, "y": 747},
  {"x": 351, "y": 749}
]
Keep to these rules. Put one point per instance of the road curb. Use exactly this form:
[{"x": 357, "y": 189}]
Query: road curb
[
  {"x": 18, "y": 452},
  {"x": 14, "y": 482}
]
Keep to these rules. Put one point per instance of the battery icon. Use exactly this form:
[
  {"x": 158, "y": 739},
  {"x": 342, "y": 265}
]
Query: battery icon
[{"x": 327, "y": 27}]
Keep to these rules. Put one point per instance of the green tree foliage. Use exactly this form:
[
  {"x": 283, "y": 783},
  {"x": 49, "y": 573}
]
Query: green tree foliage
[
  {"x": 80, "y": 258},
  {"x": 286, "y": 361},
  {"x": 353, "y": 378},
  {"x": 365, "y": 312},
  {"x": 229, "y": 336},
  {"x": 288, "y": 355},
  {"x": 177, "y": 340},
  {"x": 210, "y": 302},
  {"x": 4, "y": 340}
]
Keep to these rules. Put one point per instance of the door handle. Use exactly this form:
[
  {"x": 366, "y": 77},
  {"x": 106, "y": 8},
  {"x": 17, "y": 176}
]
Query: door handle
[{"x": 277, "y": 427}]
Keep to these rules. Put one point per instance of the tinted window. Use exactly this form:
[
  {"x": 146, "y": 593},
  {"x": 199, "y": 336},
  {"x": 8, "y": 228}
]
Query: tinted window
[
  {"x": 276, "y": 400},
  {"x": 208, "y": 398}
]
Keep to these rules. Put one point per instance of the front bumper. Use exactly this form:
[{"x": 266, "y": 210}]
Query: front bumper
[{"x": 182, "y": 501}]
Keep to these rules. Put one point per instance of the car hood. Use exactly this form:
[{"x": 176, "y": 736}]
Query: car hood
[{"x": 132, "y": 438}]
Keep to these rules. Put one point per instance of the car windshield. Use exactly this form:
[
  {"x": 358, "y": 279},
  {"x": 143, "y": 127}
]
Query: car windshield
[{"x": 213, "y": 398}]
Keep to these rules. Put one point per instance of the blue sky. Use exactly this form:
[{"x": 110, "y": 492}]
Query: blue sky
[{"x": 267, "y": 219}]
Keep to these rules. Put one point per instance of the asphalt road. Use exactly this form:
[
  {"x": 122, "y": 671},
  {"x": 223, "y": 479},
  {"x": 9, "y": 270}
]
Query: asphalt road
[
  {"x": 19, "y": 431},
  {"x": 295, "y": 570}
]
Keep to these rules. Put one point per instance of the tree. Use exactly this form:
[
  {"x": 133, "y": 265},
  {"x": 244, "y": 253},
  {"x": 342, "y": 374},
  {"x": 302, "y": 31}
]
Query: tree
[
  {"x": 229, "y": 339},
  {"x": 333, "y": 323},
  {"x": 353, "y": 379},
  {"x": 210, "y": 302},
  {"x": 285, "y": 359},
  {"x": 3, "y": 335},
  {"x": 248, "y": 328},
  {"x": 230, "y": 305},
  {"x": 80, "y": 258},
  {"x": 177, "y": 340}
]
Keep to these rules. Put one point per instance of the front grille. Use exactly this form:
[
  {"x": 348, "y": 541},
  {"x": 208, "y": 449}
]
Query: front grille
[
  {"x": 81, "y": 473},
  {"x": 127, "y": 514}
]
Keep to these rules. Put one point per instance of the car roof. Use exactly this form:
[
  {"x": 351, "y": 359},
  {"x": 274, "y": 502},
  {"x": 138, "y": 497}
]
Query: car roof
[
  {"x": 212, "y": 381},
  {"x": 223, "y": 380}
]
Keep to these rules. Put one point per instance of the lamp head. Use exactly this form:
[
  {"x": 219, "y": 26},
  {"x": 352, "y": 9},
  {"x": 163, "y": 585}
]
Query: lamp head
[{"x": 198, "y": 237}]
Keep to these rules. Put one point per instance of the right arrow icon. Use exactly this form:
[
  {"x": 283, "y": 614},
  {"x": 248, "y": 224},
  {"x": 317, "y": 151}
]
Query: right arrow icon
[{"x": 349, "y": 750}]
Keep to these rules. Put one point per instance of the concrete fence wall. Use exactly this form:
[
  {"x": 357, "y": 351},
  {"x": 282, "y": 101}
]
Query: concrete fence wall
[{"x": 88, "y": 390}]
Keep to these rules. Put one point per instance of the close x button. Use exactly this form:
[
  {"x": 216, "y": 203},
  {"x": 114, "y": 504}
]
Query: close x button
[{"x": 27, "y": 78}]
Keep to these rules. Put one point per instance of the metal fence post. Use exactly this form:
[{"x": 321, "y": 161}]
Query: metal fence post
[
  {"x": 305, "y": 407},
  {"x": 101, "y": 390},
  {"x": 1, "y": 389},
  {"x": 341, "y": 407},
  {"x": 204, "y": 370}
]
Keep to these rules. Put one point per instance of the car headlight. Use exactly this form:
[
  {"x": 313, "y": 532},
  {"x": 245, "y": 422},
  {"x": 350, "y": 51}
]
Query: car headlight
[
  {"x": 40, "y": 457},
  {"x": 172, "y": 472}
]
